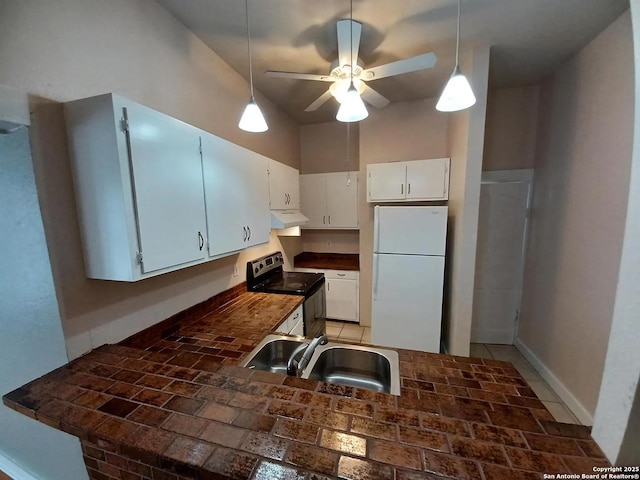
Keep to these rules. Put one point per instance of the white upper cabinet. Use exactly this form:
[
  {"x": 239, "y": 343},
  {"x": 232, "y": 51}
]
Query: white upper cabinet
[
  {"x": 330, "y": 200},
  {"x": 284, "y": 187},
  {"x": 418, "y": 180},
  {"x": 138, "y": 179},
  {"x": 237, "y": 196}
]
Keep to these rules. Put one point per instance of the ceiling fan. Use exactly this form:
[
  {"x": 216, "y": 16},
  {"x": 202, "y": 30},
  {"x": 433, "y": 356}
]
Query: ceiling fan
[{"x": 342, "y": 70}]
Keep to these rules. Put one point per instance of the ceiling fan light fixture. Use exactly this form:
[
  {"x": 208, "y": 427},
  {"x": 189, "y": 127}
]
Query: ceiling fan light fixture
[
  {"x": 252, "y": 119},
  {"x": 352, "y": 108},
  {"x": 457, "y": 94},
  {"x": 339, "y": 88}
]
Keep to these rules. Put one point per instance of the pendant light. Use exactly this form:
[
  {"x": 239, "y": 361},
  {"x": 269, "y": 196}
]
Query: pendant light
[
  {"x": 352, "y": 107},
  {"x": 457, "y": 94},
  {"x": 252, "y": 119}
]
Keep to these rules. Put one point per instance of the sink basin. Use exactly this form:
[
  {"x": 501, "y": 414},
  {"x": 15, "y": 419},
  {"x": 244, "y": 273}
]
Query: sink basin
[
  {"x": 273, "y": 353},
  {"x": 352, "y": 365},
  {"x": 356, "y": 366}
]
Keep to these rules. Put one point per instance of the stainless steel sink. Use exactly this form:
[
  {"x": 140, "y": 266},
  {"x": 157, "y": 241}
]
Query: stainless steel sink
[
  {"x": 353, "y": 365},
  {"x": 273, "y": 353},
  {"x": 356, "y": 366}
]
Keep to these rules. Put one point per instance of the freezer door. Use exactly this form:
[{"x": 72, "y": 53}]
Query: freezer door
[
  {"x": 410, "y": 230},
  {"x": 407, "y": 301}
]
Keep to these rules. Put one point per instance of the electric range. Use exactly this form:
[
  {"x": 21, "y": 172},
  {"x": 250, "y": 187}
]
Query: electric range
[{"x": 266, "y": 275}]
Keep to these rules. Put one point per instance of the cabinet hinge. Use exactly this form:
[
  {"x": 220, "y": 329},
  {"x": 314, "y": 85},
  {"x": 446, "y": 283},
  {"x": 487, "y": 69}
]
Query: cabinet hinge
[
  {"x": 124, "y": 125},
  {"x": 139, "y": 258}
]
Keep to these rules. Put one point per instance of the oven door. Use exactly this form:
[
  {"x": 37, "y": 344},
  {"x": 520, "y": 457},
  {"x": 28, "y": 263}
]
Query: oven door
[{"x": 315, "y": 315}]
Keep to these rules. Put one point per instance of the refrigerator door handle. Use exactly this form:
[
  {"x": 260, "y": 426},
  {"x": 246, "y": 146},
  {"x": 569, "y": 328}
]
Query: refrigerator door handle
[
  {"x": 376, "y": 229},
  {"x": 375, "y": 276}
]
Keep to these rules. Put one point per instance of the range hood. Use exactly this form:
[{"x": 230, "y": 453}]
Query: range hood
[{"x": 287, "y": 218}]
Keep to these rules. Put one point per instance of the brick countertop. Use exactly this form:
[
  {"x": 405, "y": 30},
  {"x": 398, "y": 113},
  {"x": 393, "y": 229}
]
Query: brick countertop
[{"x": 179, "y": 407}]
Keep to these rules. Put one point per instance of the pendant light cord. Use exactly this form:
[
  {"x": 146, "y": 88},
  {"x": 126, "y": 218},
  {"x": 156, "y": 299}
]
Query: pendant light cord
[
  {"x": 458, "y": 36},
  {"x": 351, "y": 40},
  {"x": 249, "y": 48}
]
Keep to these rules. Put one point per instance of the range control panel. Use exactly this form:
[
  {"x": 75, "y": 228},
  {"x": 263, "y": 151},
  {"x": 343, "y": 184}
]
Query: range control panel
[{"x": 263, "y": 265}]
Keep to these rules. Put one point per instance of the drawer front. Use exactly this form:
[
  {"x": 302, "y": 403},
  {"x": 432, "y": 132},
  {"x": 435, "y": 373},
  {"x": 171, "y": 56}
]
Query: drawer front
[{"x": 341, "y": 274}]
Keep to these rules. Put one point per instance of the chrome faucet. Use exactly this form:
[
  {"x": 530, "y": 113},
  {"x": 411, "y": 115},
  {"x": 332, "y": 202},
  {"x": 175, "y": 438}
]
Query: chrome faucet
[{"x": 294, "y": 368}]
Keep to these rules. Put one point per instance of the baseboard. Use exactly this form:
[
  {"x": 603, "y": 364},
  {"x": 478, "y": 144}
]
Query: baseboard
[
  {"x": 13, "y": 470},
  {"x": 558, "y": 387}
]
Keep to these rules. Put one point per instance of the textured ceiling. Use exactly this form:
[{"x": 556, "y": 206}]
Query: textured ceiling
[{"x": 528, "y": 39}]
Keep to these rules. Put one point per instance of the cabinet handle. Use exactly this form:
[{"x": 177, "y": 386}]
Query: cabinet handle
[
  {"x": 296, "y": 316},
  {"x": 245, "y": 234},
  {"x": 328, "y": 286},
  {"x": 409, "y": 189},
  {"x": 329, "y": 219},
  {"x": 401, "y": 189},
  {"x": 341, "y": 274},
  {"x": 200, "y": 241},
  {"x": 323, "y": 219},
  {"x": 249, "y": 230}
]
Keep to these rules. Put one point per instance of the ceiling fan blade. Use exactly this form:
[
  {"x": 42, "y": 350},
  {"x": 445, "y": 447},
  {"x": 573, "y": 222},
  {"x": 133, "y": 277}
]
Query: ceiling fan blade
[
  {"x": 372, "y": 97},
  {"x": 412, "y": 64},
  {"x": 344, "y": 44},
  {"x": 318, "y": 102},
  {"x": 299, "y": 76}
]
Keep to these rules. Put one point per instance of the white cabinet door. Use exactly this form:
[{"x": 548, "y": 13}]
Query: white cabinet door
[
  {"x": 330, "y": 200},
  {"x": 168, "y": 192},
  {"x": 257, "y": 199},
  {"x": 342, "y": 298},
  {"x": 428, "y": 179},
  {"x": 313, "y": 202},
  {"x": 284, "y": 189},
  {"x": 386, "y": 181},
  {"x": 237, "y": 196},
  {"x": 224, "y": 179},
  {"x": 342, "y": 200}
]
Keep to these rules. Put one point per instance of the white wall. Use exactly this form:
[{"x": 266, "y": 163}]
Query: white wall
[
  {"x": 466, "y": 143},
  {"x": 68, "y": 49},
  {"x": 578, "y": 216},
  {"x": 31, "y": 343},
  {"x": 616, "y": 425},
  {"x": 512, "y": 119}
]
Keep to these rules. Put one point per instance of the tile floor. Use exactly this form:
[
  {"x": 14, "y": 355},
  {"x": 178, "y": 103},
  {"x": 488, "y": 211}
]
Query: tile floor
[{"x": 354, "y": 333}]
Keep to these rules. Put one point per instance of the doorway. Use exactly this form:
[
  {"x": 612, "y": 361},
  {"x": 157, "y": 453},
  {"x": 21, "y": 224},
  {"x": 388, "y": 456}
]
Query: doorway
[{"x": 502, "y": 226}]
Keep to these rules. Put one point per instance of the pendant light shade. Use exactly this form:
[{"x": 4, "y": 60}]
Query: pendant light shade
[
  {"x": 457, "y": 94},
  {"x": 352, "y": 108},
  {"x": 252, "y": 119}
]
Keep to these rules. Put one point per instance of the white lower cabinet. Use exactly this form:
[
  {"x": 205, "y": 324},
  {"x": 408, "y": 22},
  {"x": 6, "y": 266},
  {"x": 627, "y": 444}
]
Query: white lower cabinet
[
  {"x": 293, "y": 324},
  {"x": 342, "y": 289}
]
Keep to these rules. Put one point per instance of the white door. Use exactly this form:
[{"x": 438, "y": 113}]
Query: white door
[
  {"x": 407, "y": 301},
  {"x": 342, "y": 200},
  {"x": 499, "y": 262},
  {"x": 386, "y": 181},
  {"x": 428, "y": 179},
  {"x": 167, "y": 176},
  {"x": 313, "y": 200},
  {"x": 410, "y": 230}
]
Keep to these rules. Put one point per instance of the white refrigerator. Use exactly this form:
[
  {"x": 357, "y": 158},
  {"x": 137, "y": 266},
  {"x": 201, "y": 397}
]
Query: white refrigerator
[{"x": 408, "y": 274}]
